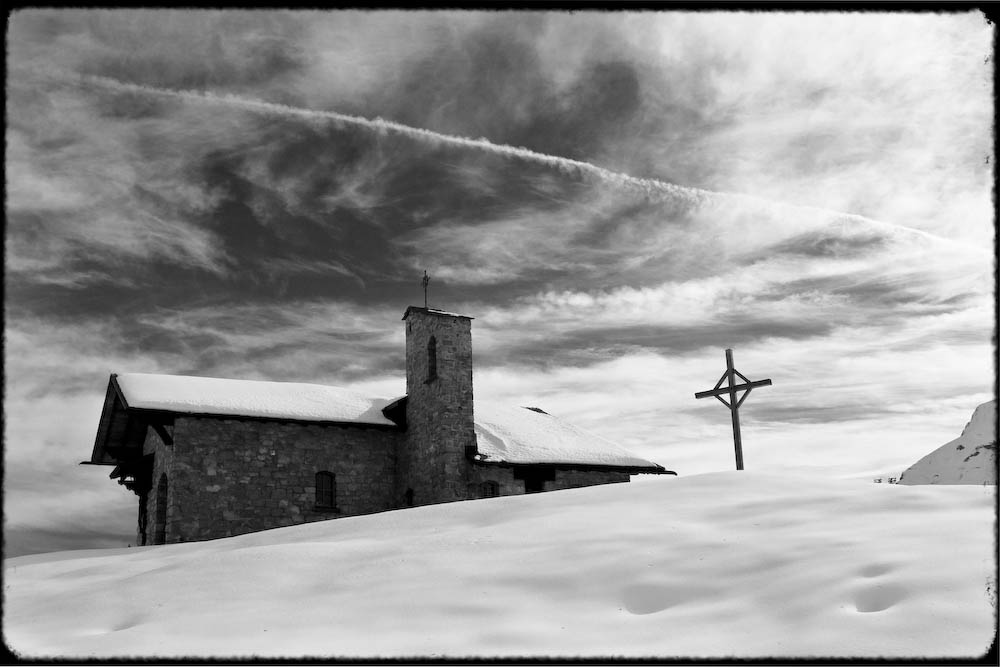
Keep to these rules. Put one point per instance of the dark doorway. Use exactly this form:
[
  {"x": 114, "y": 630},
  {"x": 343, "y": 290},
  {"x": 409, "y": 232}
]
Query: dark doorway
[
  {"x": 160, "y": 531},
  {"x": 535, "y": 478},
  {"x": 143, "y": 519}
]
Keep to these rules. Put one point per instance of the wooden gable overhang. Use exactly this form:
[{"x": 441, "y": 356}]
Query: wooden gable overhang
[{"x": 121, "y": 432}]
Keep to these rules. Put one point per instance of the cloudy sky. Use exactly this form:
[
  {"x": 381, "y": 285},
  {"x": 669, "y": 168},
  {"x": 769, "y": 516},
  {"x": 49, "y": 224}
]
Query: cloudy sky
[{"x": 614, "y": 197}]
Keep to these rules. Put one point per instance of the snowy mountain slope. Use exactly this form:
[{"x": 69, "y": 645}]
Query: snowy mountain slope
[
  {"x": 726, "y": 564},
  {"x": 970, "y": 458}
]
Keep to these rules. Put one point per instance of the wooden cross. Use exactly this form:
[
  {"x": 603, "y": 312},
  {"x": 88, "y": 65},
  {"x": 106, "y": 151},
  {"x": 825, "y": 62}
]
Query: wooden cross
[
  {"x": 733, "y": 404},
  {"x": 424, "y": 282}
]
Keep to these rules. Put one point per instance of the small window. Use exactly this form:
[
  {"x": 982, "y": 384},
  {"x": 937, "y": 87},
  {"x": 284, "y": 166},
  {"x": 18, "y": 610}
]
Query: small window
[
  {"x": 432, "y": 359},
  {"x": 489, "y": 489},
  {"x": 326, "y": 490},
  {"x": 409, "y": 497}
]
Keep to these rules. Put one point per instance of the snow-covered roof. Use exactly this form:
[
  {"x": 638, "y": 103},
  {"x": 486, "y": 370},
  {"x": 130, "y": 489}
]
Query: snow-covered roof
[
  {"x": 250, "y": 398},
  {"x": 433, "y": 311},
  {"x": 504, "y": 434},
  {"x": 522, "y": 435}
]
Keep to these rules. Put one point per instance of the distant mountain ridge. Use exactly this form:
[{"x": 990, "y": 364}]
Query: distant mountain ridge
[{"x": 968, "y": 459}]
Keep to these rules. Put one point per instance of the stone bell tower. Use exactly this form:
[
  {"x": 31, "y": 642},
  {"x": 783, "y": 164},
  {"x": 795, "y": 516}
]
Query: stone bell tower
[{"x": 433, "y": 462}]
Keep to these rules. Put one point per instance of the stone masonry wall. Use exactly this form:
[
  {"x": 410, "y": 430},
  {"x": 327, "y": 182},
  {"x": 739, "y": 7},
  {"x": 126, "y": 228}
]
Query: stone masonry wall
[
  {"x": 233, "y": 476},
  {"x": 162, "y": 464},
  {"x": 571, "y": 479},
  {"x": 511, "y": 486},
  {"x": 439, "y": 411},
  {"x": 502, "y": 475}
]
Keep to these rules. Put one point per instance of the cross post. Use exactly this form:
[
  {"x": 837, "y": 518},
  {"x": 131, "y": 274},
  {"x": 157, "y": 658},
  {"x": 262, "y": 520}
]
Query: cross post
[
  {"x": 733, "y": 404},
  {"x": 425, "y": 280}
]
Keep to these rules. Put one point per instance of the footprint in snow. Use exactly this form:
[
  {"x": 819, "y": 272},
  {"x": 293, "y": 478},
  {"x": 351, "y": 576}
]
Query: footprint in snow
[
  {"x": 878, "y": 597},
  {"x": 650, "y": 599}
]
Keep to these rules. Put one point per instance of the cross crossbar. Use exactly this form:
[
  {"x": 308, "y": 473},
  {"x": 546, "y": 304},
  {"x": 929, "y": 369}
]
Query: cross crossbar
[
  {"x": 740, "y": 387},
  {"x": 731, "y": 389}
]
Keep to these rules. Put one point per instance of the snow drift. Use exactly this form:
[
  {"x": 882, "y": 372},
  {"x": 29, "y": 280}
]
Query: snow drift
[
  {"x": 970, "y": 458},
  {"x": 734, "y": 564}
]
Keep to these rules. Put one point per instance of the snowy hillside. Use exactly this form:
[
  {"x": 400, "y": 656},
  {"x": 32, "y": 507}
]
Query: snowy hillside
[
  {"x": 725, "y": 564},
  {"x": 969, "y": 459}
]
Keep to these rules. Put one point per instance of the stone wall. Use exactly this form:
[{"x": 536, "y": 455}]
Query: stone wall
[
  {"x": 162, "y": 465},
  {"x": 509, "y": 485},
  {"x": 571, "y": 479},
  {"x": 502, "y": 475},
  {"x": 233, "y": 476},
  {"x": 439, "y": 410}
]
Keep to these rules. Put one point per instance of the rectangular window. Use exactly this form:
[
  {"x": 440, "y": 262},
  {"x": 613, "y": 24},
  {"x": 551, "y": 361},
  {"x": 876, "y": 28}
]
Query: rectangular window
[{"x": 326, "y": 490}]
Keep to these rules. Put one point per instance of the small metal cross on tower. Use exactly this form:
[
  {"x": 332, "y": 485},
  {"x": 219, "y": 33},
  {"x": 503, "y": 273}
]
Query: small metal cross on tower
[
  {"x": 733, "y": 404},
  {"x": 425, "y": 280}
]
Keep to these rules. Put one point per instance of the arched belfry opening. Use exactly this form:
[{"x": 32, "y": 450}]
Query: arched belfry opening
[{"x": 432, "y": 359}]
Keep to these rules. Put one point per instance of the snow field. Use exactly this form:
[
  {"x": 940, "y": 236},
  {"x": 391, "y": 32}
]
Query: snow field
[{"x": 734, "y": 564}]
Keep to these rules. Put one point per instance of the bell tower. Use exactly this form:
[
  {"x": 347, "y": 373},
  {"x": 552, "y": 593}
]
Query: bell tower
[{"x": 439, "y": 408}]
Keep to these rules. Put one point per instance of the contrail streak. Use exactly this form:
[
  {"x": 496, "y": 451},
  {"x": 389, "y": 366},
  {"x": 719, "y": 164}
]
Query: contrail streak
[
  {"x": 653, "y": 189},
  {"x": 648, "y": 187}
]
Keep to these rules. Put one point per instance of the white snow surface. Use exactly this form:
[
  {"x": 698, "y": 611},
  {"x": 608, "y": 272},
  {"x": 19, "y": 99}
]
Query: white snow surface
[
  {"x": 520, "y": 435},
  {"x": 970, "y": 458},
  {"x": 250, "y": 398},
  {"x": 725, "y": 565}
]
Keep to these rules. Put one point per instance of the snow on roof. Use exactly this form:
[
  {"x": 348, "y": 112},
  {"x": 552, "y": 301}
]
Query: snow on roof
[
  {"x": 522, "y": 435},
  {"x": 250, "y": 398},
  {"x": 504, "y": 434},
  {"x": 433, "y": 311}
]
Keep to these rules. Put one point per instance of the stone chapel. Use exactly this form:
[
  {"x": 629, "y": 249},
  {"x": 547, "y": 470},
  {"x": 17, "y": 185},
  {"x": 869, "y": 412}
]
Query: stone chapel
[{"x": 212, "y": 458}]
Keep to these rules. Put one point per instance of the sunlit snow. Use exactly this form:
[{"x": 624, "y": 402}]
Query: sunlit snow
[
  {"x": 740, "y": 564},
  {"x": 250, "y": 398},
  {"x": 520, "y": 435},
  {"x": 970, "y": 458}
]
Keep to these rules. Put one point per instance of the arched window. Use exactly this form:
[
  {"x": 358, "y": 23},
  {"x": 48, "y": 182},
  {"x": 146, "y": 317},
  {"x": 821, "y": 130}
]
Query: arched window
[
  {"x": 326, "y": 490},
  {"x": 489, "y": 489},
  {"x": 432, "y": 359},
  {"x": 160, "y": 530}
]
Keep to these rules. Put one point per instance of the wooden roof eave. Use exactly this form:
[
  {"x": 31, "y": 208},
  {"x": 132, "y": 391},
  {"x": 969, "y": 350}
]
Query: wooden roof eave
[
  {"x": 396, "y": 411},
  {"x": 586, "y": 467},
  {"x": 113, "y": 401}
]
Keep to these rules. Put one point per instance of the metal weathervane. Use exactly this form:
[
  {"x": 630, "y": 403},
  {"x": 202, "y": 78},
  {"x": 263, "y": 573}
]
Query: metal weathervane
[{"x": 733, "y": 404}]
